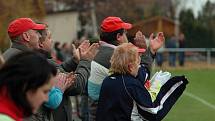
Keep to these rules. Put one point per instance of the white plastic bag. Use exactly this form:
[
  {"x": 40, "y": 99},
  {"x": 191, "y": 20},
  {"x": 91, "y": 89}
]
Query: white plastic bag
[{"x": 157, "y": 81}]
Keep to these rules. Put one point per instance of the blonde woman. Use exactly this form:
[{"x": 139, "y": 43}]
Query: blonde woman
[{"x": 123, "y": 90}]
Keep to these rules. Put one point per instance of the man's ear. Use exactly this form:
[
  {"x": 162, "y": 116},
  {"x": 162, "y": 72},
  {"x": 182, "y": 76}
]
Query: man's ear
[
  {"x": 26, "y": 36},
  {"x": 119, "y": 37},
  {"x": 40, "y": 44}
]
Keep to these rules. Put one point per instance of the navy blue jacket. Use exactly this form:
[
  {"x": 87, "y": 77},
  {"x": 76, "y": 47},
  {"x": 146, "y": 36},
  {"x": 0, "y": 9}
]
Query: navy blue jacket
[{"x": 117, "y": 98}]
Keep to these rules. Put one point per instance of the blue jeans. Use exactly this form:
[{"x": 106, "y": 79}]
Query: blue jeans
[
  {"x": 172, "y": 59},
  {"x": 181, "y": 58},
  {"x": 159, "y": 59}
]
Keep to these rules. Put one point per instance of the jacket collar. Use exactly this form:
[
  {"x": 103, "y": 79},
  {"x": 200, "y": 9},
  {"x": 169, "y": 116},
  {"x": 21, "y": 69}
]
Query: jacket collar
[
  {"x": 103, "y": 43},
  {"x": 19, "y": 46}
]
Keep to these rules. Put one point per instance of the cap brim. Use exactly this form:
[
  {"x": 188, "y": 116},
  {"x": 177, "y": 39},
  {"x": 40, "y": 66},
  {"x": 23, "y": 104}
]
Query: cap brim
[
  {"x": 127, "y": 26},
  {"x": 141, "y": 50},
  {"x": 39, "y": 27}
]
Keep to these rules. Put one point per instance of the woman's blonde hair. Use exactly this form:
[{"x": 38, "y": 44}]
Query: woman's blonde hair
[{"x": 122, "y": 56}]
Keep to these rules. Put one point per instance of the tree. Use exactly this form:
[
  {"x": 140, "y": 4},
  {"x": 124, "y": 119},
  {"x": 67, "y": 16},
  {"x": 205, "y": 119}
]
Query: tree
[
  {"x": 207, "y": 18},
  {"x": 199, "y": 31},
  {"x": 187, "y": 20},
  {"x": 126, "y": 9}
]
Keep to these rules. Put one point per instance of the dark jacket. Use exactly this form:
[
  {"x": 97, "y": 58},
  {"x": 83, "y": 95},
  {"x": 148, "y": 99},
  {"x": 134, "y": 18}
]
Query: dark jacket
[
  {"x": 120, "y": 93},
  {"x": 15, "y": 49},
  {"x": 101, "y": 63}
]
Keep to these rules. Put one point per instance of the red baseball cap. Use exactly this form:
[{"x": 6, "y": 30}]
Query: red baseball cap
[
  {"x": 20, "y": 25},
  {"x": 111, "y": 24}
]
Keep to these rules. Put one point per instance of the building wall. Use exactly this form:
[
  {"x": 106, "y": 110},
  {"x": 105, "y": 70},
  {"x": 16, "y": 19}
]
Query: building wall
[{"x": 64, "y": 26}]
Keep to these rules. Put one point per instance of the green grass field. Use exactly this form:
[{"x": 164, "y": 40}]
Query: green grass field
[{"x": 197, "y": 103}]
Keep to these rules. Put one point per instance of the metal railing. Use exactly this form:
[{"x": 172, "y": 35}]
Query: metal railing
[{"x": 206, "y": 50}]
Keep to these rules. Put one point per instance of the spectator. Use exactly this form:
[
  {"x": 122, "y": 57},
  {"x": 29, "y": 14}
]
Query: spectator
[
  {"x": 181, "y": 55},
  {"x": 67, "y": 51},
  {"x": 123, "y": 90},
  {"x": 159, "y": 56},
  {"x": 80, "y": 64},
  {"x": 113, "y": 33},
  {"x": 172, "y": 43},
  {"x": 24, "y": 39},
  {"x": 58, "y": 52},
  {"x": 24, "y": 86},
  {"x": 62, "y": 82},
  {"x": 24, "y": 35}
]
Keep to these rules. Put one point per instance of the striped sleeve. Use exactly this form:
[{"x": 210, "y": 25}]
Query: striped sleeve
[{"x": 166, "y": 98}]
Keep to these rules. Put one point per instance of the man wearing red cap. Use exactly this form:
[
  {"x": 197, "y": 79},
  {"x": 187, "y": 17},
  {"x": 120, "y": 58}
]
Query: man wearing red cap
[
  {"x": 113, "y": 33},
  {"x": 24, "y": 35},
  {"x": 59, "y": 108}
]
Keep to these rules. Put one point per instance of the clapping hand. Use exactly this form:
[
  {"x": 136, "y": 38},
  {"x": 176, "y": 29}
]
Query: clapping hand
[
  {"x": 140, "y": 40},
  {"x": 63, "y": 81},
  {"x": 88, "y": 52},
  {"x": 82, "y": 47},
  {"x": 157, "y": 42}
]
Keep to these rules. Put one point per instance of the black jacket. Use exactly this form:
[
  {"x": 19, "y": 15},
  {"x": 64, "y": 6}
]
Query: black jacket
[{"x": 120, "y": 93}]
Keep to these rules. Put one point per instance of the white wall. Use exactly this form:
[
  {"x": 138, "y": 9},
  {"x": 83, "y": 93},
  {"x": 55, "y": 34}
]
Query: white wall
[{"x": 64, "y": 26}]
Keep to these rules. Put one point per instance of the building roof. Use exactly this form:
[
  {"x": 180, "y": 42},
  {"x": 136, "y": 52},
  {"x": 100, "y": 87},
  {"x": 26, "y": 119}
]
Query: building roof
[{"x": 154, "y": 25}]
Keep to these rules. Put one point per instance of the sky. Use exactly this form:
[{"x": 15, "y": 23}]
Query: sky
[{"x": 195, "y": 5}]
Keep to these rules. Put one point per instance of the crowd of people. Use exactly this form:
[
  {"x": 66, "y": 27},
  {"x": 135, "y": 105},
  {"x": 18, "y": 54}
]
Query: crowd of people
[{"x": 37, "y": 80}]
